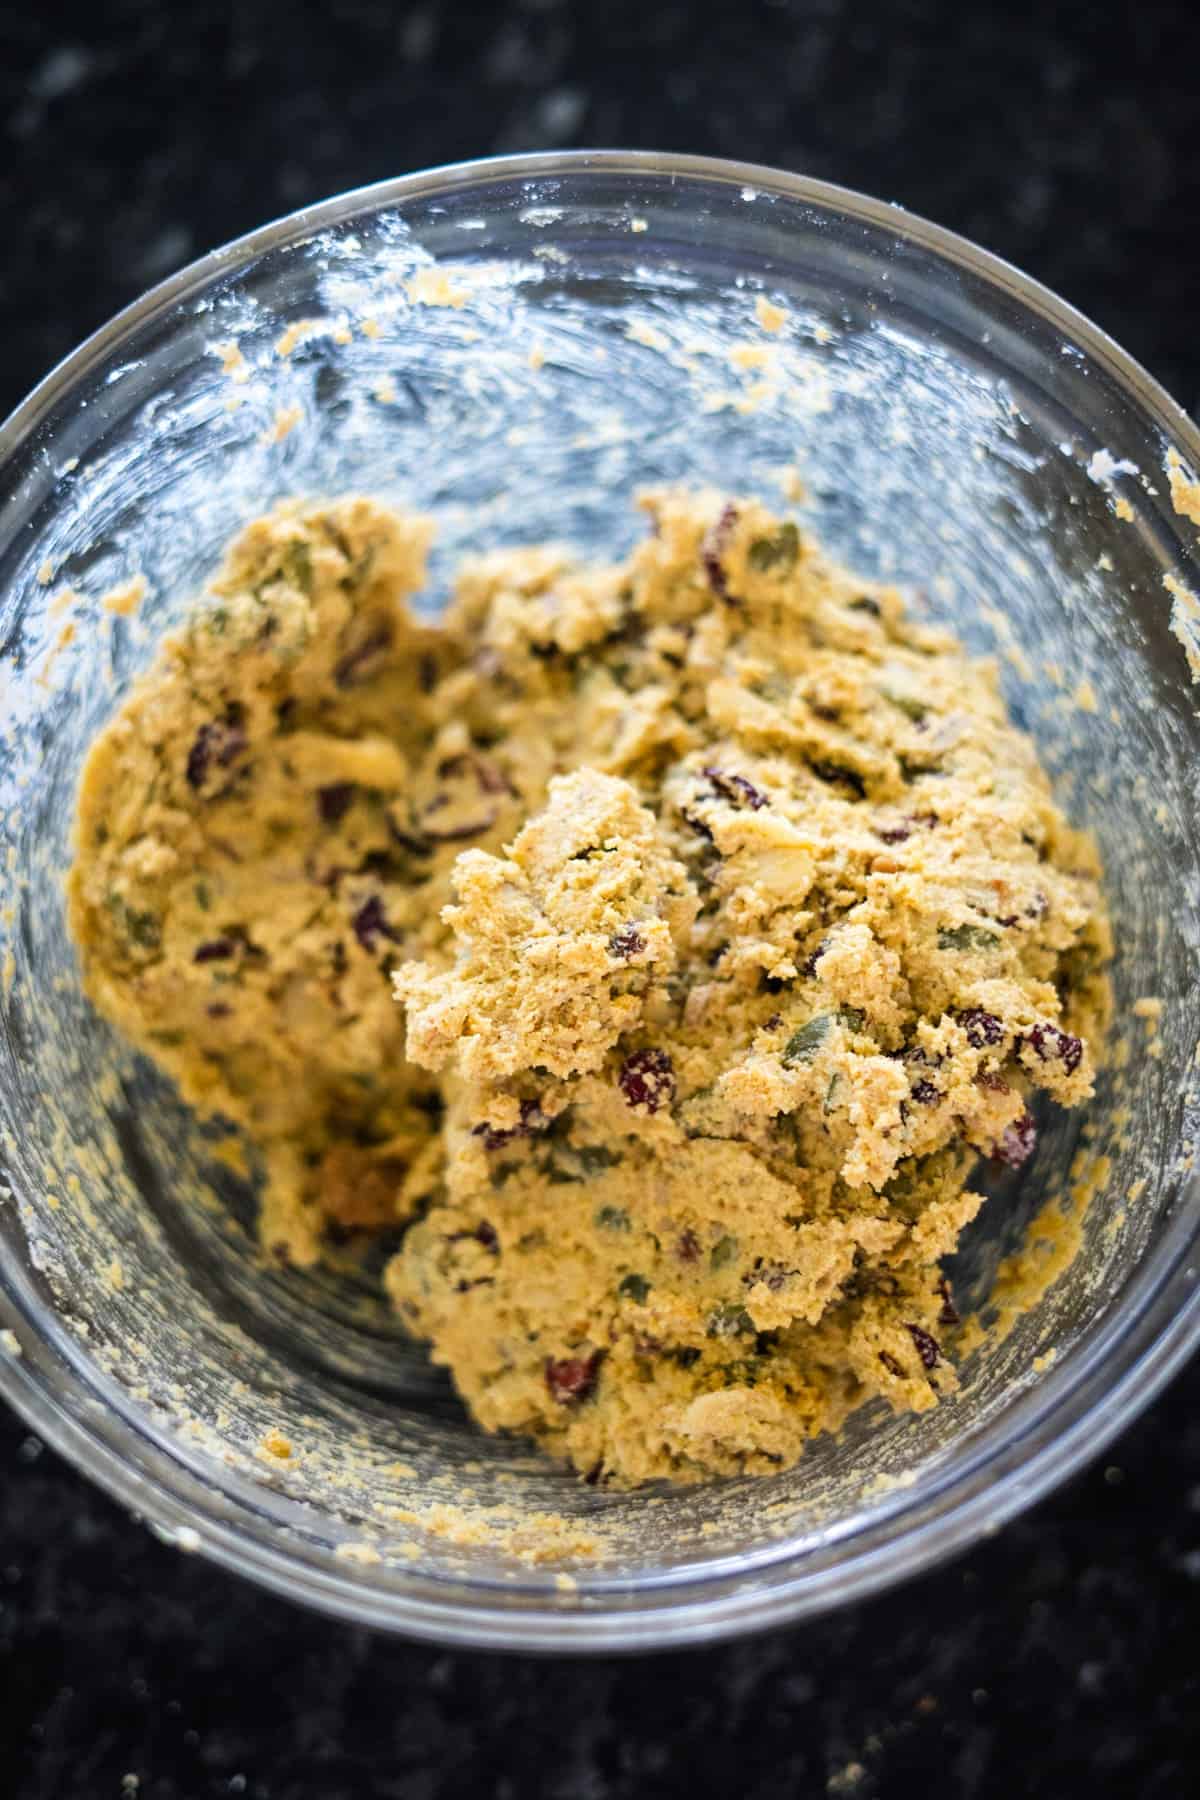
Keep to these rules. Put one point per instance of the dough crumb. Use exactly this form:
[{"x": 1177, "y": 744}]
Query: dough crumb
[
  {"x": 770, "y": 317},
  {"x": 125, "y": 599},
  {"x": 1185, "y": 489},
  {"x": 435, "y": 287}
]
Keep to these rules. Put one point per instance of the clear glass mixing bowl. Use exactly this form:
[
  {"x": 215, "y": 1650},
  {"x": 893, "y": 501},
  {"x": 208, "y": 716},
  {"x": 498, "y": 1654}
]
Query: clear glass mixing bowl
[{"x": 516, "y": 346}]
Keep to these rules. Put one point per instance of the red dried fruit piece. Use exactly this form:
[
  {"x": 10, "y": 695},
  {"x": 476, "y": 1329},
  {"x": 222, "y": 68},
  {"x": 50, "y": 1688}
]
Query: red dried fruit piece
[
  {"x": 647, "y": 1079},
  {"x": 838, "y": 774},
  {"x": 215, "y": 950},
  {"x": 572, "y": 1378},
  {"x": 711, "y": 547},
  {"x": 697, "y": 825},
  {"x": 333, "y": 802},
  {"x": 218, "y": 1010},
  {"x": 370, "y": 923},
  {"x": 1038, "y": 907},
  {"x": 469, "y": 777},
  {"x": 736, "y": 789},
  {"x": 532, "y": 1120},
  {"x": 415, "y": 842},
  {"x": 626, "y": 943},
  {"x": 488, "y": 778},
  {"x": 949, "y": 1314},
  {"x": 484, "y": 1233},
  {"x": 350, "y": 666},
  {"x": 461, "y": 834},
  {"x": 982, "y": 1028},
  {"x": 893, "y": 834},
  {"x": 688, "y": 1247},
  {"x": 925, "y": 1093},
  {"x": 928, "y": 1348},
  {"x": 1017, "y": 1143},
  {"x": 809, "y": 965},
  {"x": 221, "y": 741},
  {"x": 1053, "y": 1045}
]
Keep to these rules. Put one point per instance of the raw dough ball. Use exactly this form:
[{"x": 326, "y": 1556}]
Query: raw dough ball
[{"x": 731, "y": 917}]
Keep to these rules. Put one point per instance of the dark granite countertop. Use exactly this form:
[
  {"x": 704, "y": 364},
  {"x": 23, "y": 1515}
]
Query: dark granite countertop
[{"x": 1051, "y": 1660}]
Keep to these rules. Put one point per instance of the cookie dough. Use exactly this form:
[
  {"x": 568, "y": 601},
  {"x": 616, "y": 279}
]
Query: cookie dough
[{"x": 651, "y": 950}]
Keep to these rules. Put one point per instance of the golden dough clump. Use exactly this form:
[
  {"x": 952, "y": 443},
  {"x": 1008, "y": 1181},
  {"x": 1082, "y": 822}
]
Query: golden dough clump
[{"x": 652, "y": 949}]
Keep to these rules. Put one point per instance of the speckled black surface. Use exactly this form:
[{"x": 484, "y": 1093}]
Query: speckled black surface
[{"x": 1058, "y": 1658}]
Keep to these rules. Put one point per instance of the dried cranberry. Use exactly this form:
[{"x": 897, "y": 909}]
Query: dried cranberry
[
  {"x": 1017, "y": 1143},
  {"x": 925, "y": 1092},
  {"x": 736, "y": 789},
  {"x": 413, "y": 841},
  {"x": 949, "y": 1314},
  {"x": 486, "y": 1235},
  {"x": 809, "y": 965},
  {"x": 350, "y": 666},
  {"x": 220, "y": 742},
  {"x": 697, "y": 825},
  {"x": 647, "y": 1079},
  {"x": 711, "y": 547},
  {"x": 928, "y": 1348},
  {"x": 532, "y": 1119},
  {"x": 458, "y": 834},
  {"x": 896, "y": 834},
  {"x": 572, "y": 1378},
  {"x": 688, "y": 1247},
  {"x": 218, "y": 1010},
  {"x": 333, "y": 803},
  {"x": 370, "y": 922},
  {"x": 1053, "y": 1045},
  {"x": 839, "y": 775},
  {"x": 626, "y": 943},
  {"x": 216, "y": 950},
  {"x": 982, "y": 1028},
  {"x": 487, "y": 777}
]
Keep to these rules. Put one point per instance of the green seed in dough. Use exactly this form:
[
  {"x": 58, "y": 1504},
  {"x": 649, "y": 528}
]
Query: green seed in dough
[{"x": 803, "y": 1045}]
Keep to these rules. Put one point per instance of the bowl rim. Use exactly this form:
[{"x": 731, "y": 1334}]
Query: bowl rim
[{"x": 1062, "y": 1422}]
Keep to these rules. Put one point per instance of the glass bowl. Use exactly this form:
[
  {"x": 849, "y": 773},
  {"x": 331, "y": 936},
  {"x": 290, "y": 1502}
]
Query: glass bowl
[{"x": 516, "y": 346}]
